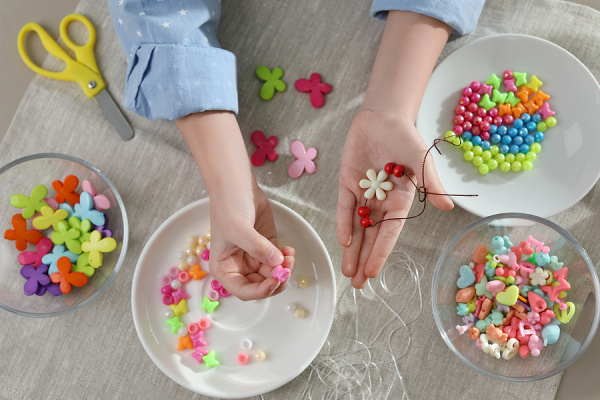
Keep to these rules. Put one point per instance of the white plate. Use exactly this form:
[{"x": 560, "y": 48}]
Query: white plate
[
  {"x": 566, "y": 168},
  {"x": 290, "y": 343}
]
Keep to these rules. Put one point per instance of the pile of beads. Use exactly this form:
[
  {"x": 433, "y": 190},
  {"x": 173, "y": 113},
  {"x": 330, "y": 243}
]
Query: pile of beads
[
  {"x": 512, "y": 298},
  {"x": 502, "y": 129},
  {"x": 77, "y": 241}
]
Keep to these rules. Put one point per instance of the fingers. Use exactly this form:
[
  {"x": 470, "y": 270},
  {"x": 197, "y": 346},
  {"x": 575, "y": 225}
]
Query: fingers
[
  {"x": 383, "y": 246},
  {"x": 434, "y": 185},
  {"x": 345, "y": 213},
  {"x": 259, "y": 247},
  {"x": 249, "y": 287}
]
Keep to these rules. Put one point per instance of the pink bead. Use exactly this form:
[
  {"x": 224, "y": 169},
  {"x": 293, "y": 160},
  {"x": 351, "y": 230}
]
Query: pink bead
[
  {"x": 458, "y": 129},
  {"x": 215, "y": 284},
  {"x": 459, "y": 110},
  {"x": 488, "y": 119},
  {"x": 193, "y": 328},
  {"x": 477, "y": 121},
  {"x": 167, "y": 299},
  {"x": 464, "y": 101},
  {"x": 198, "y": 339},
  {"x": 468, "y": 115},
  {"x": 498, "y": 121},
  {"x": 224, "y": 293},
  {"x": 507, "y": 74},
  {"x": 472, "y": 108},
  {"x": 475, "y": 86},
  {"x": 213, "y": 295},
  {"x": 205, "y": 255},
  {"x": 242, "y": 358},
  {"x": 481, "y": 112},
  {"x": 204, "y": 323},
  {"x": 167, "y": 289},
  {"x": 179, "y": 295},
  {"x": 476, "y": 131},
  {"x": 508, "y": 119},
  {"x": 493, "y": 112},
  {"x": 166, "y": 280},
  {"x": 459, "y": 120},
  {"x": 485, "y": 135},
  {"x": 467, "y": 91},
  {"x": 467, "y": 126},
  {"x": 475, "y": 97},
  {"x": 184, "y": 276},
  {"x": 173, "y": 272},
  {"x": 484, "y": 126}
]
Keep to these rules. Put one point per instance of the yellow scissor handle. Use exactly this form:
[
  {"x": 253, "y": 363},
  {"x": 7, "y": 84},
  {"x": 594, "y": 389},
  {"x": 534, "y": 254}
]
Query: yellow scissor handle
[
  {"x": 84, "y": 53},
  {"x": 75, "y": 71}
]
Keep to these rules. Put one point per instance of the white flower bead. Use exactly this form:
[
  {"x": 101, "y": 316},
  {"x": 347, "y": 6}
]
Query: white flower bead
[
  {"x": 375, "y": 184},
  {"x": 538, "y": 277}
]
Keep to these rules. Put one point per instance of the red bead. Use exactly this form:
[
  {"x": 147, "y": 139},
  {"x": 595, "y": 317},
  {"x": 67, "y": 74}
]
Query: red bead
[
  {"x": 398, "y": 171},
  {"x": 363, "y": 211},
  {"x": 366, "y": 222},
  {"x": 389, "y": 167}
]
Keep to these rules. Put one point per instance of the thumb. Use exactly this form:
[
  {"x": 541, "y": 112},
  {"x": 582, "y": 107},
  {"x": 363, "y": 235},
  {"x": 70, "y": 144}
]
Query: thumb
[
  {"x": 435, "y": 189},
  {"x": 259, "y": 247}
]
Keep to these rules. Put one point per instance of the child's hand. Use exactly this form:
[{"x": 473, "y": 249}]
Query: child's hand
[
  {"x": 244, "y": 249},
  {"x": 374, "y": 139}
]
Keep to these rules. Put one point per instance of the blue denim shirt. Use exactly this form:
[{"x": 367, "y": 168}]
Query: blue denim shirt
[{"x": 176, "y": 65}]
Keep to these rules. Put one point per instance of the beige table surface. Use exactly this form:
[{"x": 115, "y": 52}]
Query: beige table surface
[{"x": 580, "y": 381}]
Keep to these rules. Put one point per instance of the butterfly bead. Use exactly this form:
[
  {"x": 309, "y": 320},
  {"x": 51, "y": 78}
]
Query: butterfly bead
[
  {"x": 281, "y": 273},
  {"x": 266, "y": 148},
  {"x": 315, "y": 87},
  {"x": 30, "y": 204},
  {"x": 304, "y": 160},
  {"x": 272, "y": 81}
]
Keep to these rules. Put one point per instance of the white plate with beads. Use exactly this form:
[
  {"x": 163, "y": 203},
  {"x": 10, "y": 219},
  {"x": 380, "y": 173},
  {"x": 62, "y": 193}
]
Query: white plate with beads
[
  {"x": 565, "y": 169},
  {"x": 289, "y": 344}
]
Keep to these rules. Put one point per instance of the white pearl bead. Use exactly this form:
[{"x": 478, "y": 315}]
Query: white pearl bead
[
  {"x": 169, "y": 314},
  {"x": 208, "y": 245},
  {"x": 182, "y": 331},
  {"x": 192, "y": 240},
  {"x": 190, "y": 251},
  {"x": 290, "y": 307},
  {"x": 181, "y": 255},
  {"x": 246, "y": 344},
  {"x": 191, "y": 260},
  {"x": 176, "y": 284}
]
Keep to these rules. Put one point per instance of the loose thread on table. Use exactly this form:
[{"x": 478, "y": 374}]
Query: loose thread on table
[
  {"x": 358, "y": 372},
  {"x": 421, "y": 190}
]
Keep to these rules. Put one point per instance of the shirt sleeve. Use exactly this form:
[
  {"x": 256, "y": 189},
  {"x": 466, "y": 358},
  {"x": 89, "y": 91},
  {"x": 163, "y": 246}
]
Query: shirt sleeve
[
  {"x": 176, "y": 65},
  {"x": 461, "y": 15}
]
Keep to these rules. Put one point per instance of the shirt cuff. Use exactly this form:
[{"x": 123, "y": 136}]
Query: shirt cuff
[
  {"x": 172, "y": 81},
  {"x": 461, "y": 16}
]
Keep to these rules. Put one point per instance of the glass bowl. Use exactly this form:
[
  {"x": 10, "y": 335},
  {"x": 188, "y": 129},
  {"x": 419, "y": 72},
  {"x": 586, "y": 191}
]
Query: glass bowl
[
  {"x": 20, "y": 177},
  {"x": 575, "y": 336}
]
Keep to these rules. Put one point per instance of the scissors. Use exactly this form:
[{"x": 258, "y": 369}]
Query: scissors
[{"x": 82, "y": 70}]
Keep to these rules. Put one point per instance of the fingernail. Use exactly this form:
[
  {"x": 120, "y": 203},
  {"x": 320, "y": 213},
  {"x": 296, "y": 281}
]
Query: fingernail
[
  {"x": 349, "y": 242},
  {"x": 274, "y": 257}
]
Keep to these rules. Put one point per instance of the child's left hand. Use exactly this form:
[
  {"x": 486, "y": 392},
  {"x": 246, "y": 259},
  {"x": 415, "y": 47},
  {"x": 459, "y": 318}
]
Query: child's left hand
[{"x": 375, "y": 139}]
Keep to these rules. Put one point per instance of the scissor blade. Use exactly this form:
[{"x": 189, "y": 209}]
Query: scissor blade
[{"x": 113, "y": 114}]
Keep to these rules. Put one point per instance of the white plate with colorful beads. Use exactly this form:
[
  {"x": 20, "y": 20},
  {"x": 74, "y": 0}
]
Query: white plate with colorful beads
[
  {"x": 278, "y": 344},
  {"x": 565, "y": 168}
]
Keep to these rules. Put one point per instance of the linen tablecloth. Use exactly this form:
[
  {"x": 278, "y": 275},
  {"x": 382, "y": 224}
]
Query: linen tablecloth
[{"x": 95, "y": 353}]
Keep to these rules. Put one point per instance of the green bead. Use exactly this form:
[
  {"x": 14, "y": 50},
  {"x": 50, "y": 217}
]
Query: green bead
[
  {"x": 477, "y": 150},
  {"x": 486, "y": 103},
  {"x": 468, "y": 155},
  {"x": 541, "y": 126},
  {"x": 467, "y": 145},
  {"x": 500, "y": 158},
  {"x": 551, "y": 122},
  {"x": 527, "y": 165},
  {"x": 492, "y": 164},
  {"x": 499, "y": 97},
  {"x": 512, "y": 99},
  {"x": 484, "y": 169},
  {"x": 453, "y": 138},
  {"x": 495, "y": 81},
  {"x": 516, "y": 166},
  {"x": 510, "y": 157},
  {"x": 494, "y": 150},
  {"x": 477, "y": 161},
  {"x": 505, "y": 166},
  {"x": 520, "y": 78},
  {"x": 530, "y": 156},
  {"x": 520, "y": 157},
  {"x": 486, "y": 155},
  {"x": 536, "y": 147}
]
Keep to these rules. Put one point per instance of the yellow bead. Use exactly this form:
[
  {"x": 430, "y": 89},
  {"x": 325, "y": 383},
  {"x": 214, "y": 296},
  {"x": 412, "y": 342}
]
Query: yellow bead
[
  {"x": 299, "y": 313},
  {"x": 484, "y": 169},
  {"x": 492, "y": 164},
  {"x": 477, "y": 150},
  {"x": 500, "y": 158},
  {"x": 468, "y": 155},
  {"x": 505, "y": 166},
  {"x": 190, "y": 251},
  {"x": 260, "y": 355},
  {"x": 530, "y": 156},
  {"x": 494, "y": 150},
  {"x": 509, "y": 157},
  {"x": 516, "y": 166},
  {"x": 192, "y": 240},
  {"x": 536, "y": 147},
  {"x": 467, "y": 145},
  {"x": 551, "y": 122},
  {"x": 477, "y": 161},
  {"x": 527, "y": 165},
  {"x": 520, "y": 157},
  {"x": 486, "y": 155},
  {"x": 303, "y": 283}
]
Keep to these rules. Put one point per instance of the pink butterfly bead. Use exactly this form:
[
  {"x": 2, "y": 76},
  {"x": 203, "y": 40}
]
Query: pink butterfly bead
[
  {"x": 304, "y": 160},
  {"x": 316, "y": 89},
  {"x": 281, "y": 273},
  {"x": 101, "y": 202},
  {"x": 266, "y": 148}
]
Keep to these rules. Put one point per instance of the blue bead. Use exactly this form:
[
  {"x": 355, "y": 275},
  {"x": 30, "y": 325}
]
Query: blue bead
[
  {"x": 529, "y": 139},
  {"x": 506, "y": 139},
  {"x": 518, "y": 123},
  {"x": 531, "y": 126},
  {"x": 486, "y": 145},
  {"x": 526, "y": 117},
  {"x": 467, "y": 135},
  {"x": 495, "y": 138},
  {"x": 539, "y": 136},
  {"x": 493, "y": 129},
  {"x": 536, "y": 117},
  {"x": 476, "y": 140},
  {"x": 512, "y": 132},
  {"x": 503, "y": 149},
  {"x": 523, "y": 132},
  {"x": 518, "y": 140},
  {"x": 514, "y": 149},
  {"x": 501, "y": 130},
  {"x": 524, "y": 148}
]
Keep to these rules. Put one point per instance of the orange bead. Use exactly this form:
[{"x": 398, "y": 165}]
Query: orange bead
[
  {"x": 504, "y": 109},
  {"x": 185, "y": 343},
  {"x": 473, "y": 333},
  {"x": 524, "y": 93},
  {"x": 197, "y": 273},
  {"x": 539, "y": 98},
  {"x": 531, "y": 107},
  {"x": 518, "y": 110}
]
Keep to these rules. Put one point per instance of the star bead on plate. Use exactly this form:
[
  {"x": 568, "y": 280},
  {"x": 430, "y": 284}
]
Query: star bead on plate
[{"x": 376, "y": 184}]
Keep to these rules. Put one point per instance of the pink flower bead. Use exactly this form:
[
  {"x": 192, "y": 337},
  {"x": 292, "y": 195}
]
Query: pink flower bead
[{"x": 475, "y": 86}]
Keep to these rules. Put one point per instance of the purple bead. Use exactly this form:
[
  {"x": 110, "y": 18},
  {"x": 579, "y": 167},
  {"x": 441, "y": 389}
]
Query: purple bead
[{"x": 36, "y": 277}]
